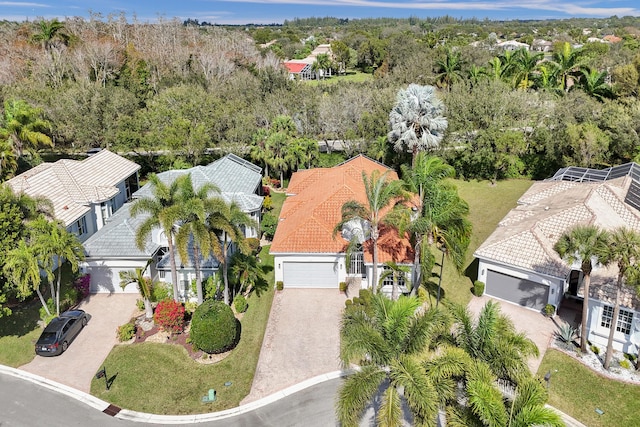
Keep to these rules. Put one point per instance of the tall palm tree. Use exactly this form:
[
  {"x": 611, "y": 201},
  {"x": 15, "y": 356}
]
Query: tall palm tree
[
  {"x": 493, "y": 339},
  {"x": 163, "y": 209},
  {"x": 49, "y": 32},
  {"x": 623, "y": 249},
  {"x": 417, "y": 120},
  {"x": 380, "y": 192},
  {"x": 196, "y": 206},
  {"x": 247, "y": 272},
  {"x": 144, "y": 284},
  {"x": 569, "y": 61},
  {"x": 24, "y": 127},
  {"x": 55, "y": 246},
  {"x": 431, "y": 216},
  {"x": 226, "y": 227},
  {"x": 21, "y": 268},
  {"x": 387, "y": 341},
  {"x": 584, "y": 244}
]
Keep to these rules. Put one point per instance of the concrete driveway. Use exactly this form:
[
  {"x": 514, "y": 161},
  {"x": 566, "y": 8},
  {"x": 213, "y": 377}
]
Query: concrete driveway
[
  {"x": 538, "y": 328},
  {"x": 302, "y": 340},
  {"x": 77, "y": 366}
]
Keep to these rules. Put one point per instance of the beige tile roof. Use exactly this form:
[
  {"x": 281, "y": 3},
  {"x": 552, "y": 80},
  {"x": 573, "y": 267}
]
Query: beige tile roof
[
  {"x": 527, "y": 234},
  {"x": 73, "y": 185}
]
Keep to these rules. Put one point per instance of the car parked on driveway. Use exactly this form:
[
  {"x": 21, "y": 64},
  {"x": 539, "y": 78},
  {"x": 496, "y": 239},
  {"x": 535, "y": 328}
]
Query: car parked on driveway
[{"x": 60, "y": 332}]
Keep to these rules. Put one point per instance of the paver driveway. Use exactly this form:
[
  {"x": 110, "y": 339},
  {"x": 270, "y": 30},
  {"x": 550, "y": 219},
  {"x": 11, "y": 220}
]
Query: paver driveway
[
  {"x": 538, "y": 328},
  {"x": 302, "y": 340},
  {"x": 77, "y": 366}
]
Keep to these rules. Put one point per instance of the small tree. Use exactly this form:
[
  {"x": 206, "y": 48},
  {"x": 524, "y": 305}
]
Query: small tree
[{"x": 144, "y": 284}]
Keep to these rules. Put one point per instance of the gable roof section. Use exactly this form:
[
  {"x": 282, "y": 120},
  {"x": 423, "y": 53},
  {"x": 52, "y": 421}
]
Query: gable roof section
[
  {"x": 73, "y": 185},
  {"x": 313, "y": 208},
  {"x": 236, "y": 178},
  {"x": 527, "y": 234}
]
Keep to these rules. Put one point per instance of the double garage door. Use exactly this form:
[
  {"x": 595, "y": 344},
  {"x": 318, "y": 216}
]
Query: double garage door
[
  {"x": 520, "y": 291},
  {"x": 310, "y": 274}
]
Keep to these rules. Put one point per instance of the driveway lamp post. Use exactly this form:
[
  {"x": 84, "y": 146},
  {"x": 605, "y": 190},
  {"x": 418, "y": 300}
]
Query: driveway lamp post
[{"x": 443, "y": 250}]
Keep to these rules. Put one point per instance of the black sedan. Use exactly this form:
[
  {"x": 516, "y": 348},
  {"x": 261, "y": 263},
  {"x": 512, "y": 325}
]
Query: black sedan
[{"x": 59, "y": 333}]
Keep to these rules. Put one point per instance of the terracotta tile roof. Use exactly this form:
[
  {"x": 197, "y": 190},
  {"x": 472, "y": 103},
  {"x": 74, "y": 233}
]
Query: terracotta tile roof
[
  {"x": 313, "y": 208},
  {"x": 73, "y": 185},
  {"x": 527, "y": 234}
]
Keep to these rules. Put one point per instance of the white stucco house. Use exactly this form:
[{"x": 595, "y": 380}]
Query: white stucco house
[
  {"x": 518, "y": 264},
  {"x": 112, "y": 249},
  {"x": 307, "y": 253},
  {"x": 84, "y": 193}
]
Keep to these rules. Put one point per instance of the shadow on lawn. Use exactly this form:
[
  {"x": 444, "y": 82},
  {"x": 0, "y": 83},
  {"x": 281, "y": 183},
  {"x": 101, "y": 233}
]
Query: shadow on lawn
[{"x": 23, "y": 319}]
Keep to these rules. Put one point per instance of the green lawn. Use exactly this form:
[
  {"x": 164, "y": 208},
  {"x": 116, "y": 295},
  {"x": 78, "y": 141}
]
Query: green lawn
[
  {"x": 351, "y": 77},
  {"x": 18, "y": 334},
  {"x": 578, "y": 391},
  {"x": 20, "y": 331},
  {"x": 488, "y": 204}
]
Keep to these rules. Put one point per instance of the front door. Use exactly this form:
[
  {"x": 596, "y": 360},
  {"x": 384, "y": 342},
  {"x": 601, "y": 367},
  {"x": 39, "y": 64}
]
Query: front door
[{"x": 574, "y": 282}]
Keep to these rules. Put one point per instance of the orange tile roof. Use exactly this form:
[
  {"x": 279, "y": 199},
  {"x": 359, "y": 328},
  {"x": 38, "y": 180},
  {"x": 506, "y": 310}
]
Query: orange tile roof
[{"x": 313, "y": 208}]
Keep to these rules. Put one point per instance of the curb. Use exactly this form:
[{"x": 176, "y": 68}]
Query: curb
[{"x": 125, "y": 414}]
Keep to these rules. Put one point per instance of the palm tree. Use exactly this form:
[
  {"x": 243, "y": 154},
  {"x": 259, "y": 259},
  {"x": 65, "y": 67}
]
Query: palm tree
[
  {"x": 547, "y": 77},
  {"x": 449, "y": 70},
  {"x": 439, "y": 216},
  {"x": 568, "y": 60},
  {"x": 163, "y": 208},
  {"x": 525, "y": 64},
  {"x": 21, "y": 268},
  {"x": 227, "y": 227},
  {"x": 196, "y": 206},
  {"x": 55, "y": 246},
  {"x": 476, "y": 73},
  {"x": 280, "y": 135},
  {"x": 417, "y": 121},
  {"x": 24, "y": 127},
  {"x": 8, "y": 160},
  {"x": 584, "y": 244},
  {"x": 248, "y": 273},
  {"x": 380, "y": 192},
  {"x": 493, "y": 339},
  {"x": 594, "y": 83},
  {"x": 387, "y": 341},
  {"x": 623, "y": 249},
  {"x": 144, "y": 284},
  {"x": 48, "y": 32}
]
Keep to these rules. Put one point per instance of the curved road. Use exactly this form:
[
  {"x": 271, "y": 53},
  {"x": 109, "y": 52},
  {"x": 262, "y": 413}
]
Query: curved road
[{"x": 27, "y": 404}]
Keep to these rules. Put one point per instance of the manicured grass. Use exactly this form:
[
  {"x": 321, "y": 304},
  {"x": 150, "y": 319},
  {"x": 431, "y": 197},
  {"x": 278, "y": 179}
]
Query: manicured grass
[
  {"x": 20, "y": 330},
  {"x": 488, "y": 204},
  {"x": 351, "y": 77},
  {"x": 162, "y": 379},
  {"x": 18, "y": 334},
  {"x": 578, "y": 391}
]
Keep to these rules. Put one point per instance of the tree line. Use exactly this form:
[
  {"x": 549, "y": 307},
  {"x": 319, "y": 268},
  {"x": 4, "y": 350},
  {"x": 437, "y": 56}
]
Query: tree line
[{"x": 183, "y": 89}]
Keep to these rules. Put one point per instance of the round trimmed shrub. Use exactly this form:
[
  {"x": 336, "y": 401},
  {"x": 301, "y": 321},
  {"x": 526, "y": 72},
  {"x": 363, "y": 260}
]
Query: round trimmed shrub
[
  {"x": 240, "y": 303},
  {"x": 478, "y": 288},
  {"x": 213, "y": 327}
]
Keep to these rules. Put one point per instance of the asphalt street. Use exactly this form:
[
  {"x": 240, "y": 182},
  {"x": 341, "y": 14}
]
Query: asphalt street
[{"x": 26, "y": 404}]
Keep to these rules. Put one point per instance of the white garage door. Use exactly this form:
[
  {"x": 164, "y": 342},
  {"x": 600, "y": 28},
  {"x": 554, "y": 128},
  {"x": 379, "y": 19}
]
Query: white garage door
[
  {"x": 107, "y": 280},
  {"x": 521, "y": 291},
  {"x": 310, "y": 275}
]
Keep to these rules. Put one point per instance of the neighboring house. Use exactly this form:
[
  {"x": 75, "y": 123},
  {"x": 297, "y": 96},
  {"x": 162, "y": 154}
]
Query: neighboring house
[
  {"x": 84, "y": 193},
  {"x": 512, "y": 45},
  {"x": 518, "y": 264},
  {"x": 113, "y": 248},
  {"x": 300, "y": 69},
  {"x": 306, "y": 252}
]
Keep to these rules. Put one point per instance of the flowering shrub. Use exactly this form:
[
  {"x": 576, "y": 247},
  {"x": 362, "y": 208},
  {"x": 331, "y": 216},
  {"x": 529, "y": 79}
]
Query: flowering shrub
[
  {"x": 266, "y": 191},
  {"x": 169, "y": 315},
  {"x": 82, "y": 285}
]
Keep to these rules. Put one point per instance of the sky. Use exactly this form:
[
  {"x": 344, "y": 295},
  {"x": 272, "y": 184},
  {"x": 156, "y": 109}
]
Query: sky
[{"x": 276, "y": 11}]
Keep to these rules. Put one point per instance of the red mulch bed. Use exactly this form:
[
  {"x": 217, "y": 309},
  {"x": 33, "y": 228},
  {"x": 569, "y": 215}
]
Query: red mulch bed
[{"x": 176, "y": 339}]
